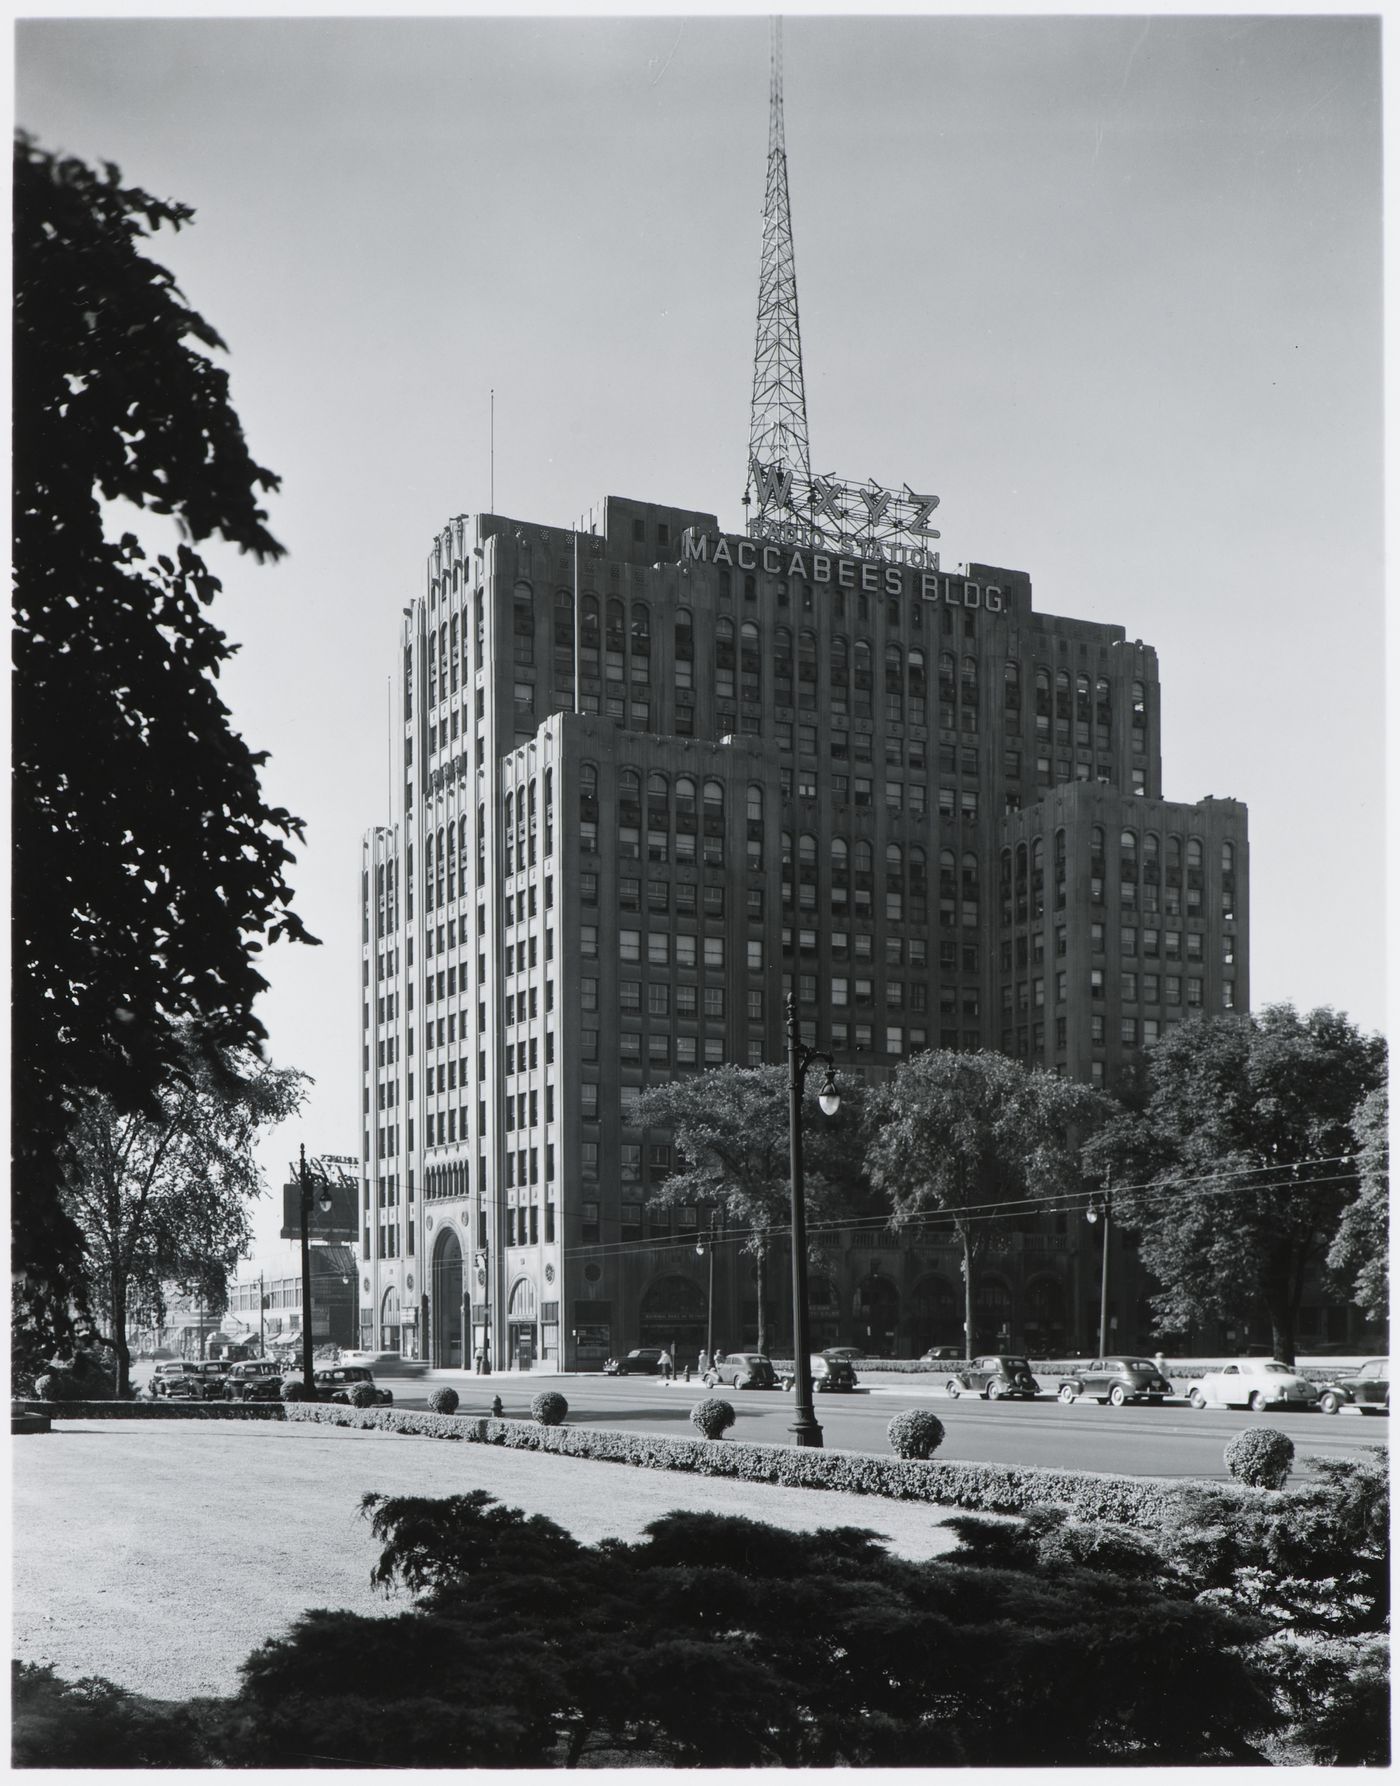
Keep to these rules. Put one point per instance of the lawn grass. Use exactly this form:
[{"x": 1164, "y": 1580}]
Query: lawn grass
[{"x": 159, "y": 1554}]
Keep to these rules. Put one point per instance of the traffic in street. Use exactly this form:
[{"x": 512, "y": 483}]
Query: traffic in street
[{"x": 1174, "y": 1439}]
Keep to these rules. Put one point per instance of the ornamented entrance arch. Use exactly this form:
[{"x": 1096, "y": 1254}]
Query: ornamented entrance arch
[
  {"x": 672, "y": 1313},
  {"x": 991, "y": 1313},
  {"x": 875, "y": 1315},
  {"x": 449, "y": 1335},
  {"x": 1046, "y": 1318},
  {"x": 936, "y": 1317},
  {"x": 522, "y": 1335},
  {"x": 390, "y": 1327}
]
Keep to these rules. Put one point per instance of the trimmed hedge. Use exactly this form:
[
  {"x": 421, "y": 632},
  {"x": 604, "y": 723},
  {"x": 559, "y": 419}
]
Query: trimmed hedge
[
  {"x": 985, "y": 1488},
  {"x": 161, "y": 1410}
]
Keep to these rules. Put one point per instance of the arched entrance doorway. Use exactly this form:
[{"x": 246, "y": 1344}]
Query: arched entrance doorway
[
  {"x": 875, "y": 1313},
  {"x": 936, "y": 1318},
  {"x": 390, "y": 1326},
  {"x": 823, "y": 1311},
  {"x": 522, "y": 1336},
  {"x": 672, "y": 1314},
  {"x": 991, "y": 1314},
  {"x": 449, "y": 1337},
  {"x": 1046, "y": 1323}
]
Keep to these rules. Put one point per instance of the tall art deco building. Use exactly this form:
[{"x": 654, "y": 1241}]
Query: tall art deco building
[{"x": 653, "y": 777}]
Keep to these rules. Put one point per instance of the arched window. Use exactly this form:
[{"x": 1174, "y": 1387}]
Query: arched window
[
  {"x": 1194, "y": 857},
  {"x": 588, "y": 625},
  {"x": 969, "y": 677},
  {"x": 894, "y": 865},
  {"x": 462, "y": 858},
  {"x": 658, "y": 794},
  {"x": 753, "y": 809},
  {"x": 916, "y": 672},
  {"x": 864, "y": 857},
  {"x": 685, "y": 795},
  {"x": 616, "y": 635},
  {"x": 862, "y": 663},
  {"x": 432, "y": 667},
  {"x": 1013, "y": 685},
  {"x": 685, "y": 634},
  {"x": 840, "y": 858},
  {"x": 714, "y": 799},
  {"x": 806, "y": 850},
  {"x": 629, "y": 786},
  {"x": 1227, "y": 857},
  {"x": 806, "y": 668},
  {"x": 1061, "y": 686},
  {"x": 748, "y": 661},
  {"x": 894, "y": 666},
  {"x": 641, "y": 628},
  {"x": 510, "y": 833},
  {"x": 1038, "y": 878}
]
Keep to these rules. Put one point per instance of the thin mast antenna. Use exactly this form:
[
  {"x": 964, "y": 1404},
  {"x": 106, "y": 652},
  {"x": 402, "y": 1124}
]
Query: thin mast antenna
[
  {"x": 778, "y": 413},
  {"x": 493, "y": 449}
]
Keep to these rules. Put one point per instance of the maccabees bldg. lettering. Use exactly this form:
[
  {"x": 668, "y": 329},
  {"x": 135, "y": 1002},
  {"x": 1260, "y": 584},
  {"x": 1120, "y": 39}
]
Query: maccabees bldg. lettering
[{"x": 868, "y": 575}]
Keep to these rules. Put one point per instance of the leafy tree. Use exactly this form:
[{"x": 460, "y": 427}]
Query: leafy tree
[
  {"x": 148, "y": 868},
  {"x": 966, "y": 1136},
  {"x": 1236, "y": 1174},
  {"x": 730, "y": 1129},
  {"x": 163, "y": 1199},
  {"x": 1360, "y": 1250}
]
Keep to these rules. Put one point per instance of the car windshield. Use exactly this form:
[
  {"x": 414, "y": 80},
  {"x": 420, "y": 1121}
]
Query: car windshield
[
  {"x": 1131, "y": 1364},
  {"x": 1277, "y": 1370},
  {"x": 1376, "y": 1367},
  {"x": 1017, "y": 1364}
]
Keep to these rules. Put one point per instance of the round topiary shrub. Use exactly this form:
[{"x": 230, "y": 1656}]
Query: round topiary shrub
[
  {"x": 915, "y": 1433},
  {"x": 712, "y": 1416},
  {"x": 443, "y": 1400},
  {"x": 361, "y": 1396},
  {"x": 549, "y": 1408},
  {"x": 1261, "y": 1456},
  {"x": 293, "y": 1390}
]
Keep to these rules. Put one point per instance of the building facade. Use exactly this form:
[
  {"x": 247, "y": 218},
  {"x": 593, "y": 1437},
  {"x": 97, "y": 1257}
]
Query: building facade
[{"x": 654, "y": 776}]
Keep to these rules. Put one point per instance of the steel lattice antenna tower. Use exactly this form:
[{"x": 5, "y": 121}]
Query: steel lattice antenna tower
[{"x": 778, "y": 414}]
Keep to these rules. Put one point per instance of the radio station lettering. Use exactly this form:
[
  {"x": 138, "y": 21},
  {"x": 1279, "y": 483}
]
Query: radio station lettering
[{"x": 868, "y": 576}]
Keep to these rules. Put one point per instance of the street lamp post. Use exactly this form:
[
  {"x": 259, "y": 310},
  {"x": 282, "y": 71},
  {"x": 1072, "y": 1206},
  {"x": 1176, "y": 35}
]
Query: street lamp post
[
  {"x": 308, "y": 1364},
  {"x": 804, "y": 1429},
  {"x": 1104, "y": 1204},
  {"x": 702, "y": 1247}
]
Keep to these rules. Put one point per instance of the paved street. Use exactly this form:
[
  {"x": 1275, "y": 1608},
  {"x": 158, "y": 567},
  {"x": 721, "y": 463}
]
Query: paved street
[{"x": 1174, "y": 1440}]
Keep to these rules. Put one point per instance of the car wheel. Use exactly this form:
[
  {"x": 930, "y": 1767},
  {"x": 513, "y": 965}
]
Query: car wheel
[
  {"x": 1259, "y": 1402},
  {"x": 1068, "y": 1393},
  {"x": 1329, "y": 1402},
  {"x": 954, "y": 1389},
  {"x": 994, "y": 1392},
  {"x": 1117, "y": 1395},
  {"x": 1196, "y": 1399}
]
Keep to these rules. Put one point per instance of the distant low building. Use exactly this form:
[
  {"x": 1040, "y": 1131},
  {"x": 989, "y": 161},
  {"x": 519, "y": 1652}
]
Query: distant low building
[{"x": 265, "y": 1305}]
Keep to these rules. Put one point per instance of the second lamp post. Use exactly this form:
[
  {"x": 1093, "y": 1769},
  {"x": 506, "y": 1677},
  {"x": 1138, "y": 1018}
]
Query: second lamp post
[{"x": 804, "y": 1427}]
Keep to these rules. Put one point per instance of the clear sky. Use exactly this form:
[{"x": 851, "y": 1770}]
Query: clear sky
[{"x": 1110, "y": 285}]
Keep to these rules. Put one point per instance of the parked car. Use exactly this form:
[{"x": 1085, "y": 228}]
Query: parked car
[
  {"x": 255, "y": 1380},
  {"x": 641, "y": 1361},
  {"x": 336, "y": 1383},
  {"x": 849, "y": 1353},
  {"x": 175, "y": 1380},
  {"x": 1115, "y": 1380},
  {"x": 1367, "y": 1387},
  {"x": 830, "y": 1373},
  {"x": 941, "y": 1354},
  {"x": 1256, "y": 1383},
  {"x": 210, "y": 1374},
  {"x": 993, "y": 1377},
  {"x": 743, "y": 1370}
]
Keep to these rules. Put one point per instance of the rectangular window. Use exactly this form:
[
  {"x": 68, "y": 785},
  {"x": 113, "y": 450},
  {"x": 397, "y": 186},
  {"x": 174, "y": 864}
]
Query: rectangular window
[
  {"x": 629, "y": 945},
  {"x": 658, "y": 1000},
  {"x": 1195, "y": 989},
  {"x": 1128, "y": 1031},
  {"x": 629, "y": 996},
  {"x": 658, "y": 948},
  {"x": 685, "y": 951},
  {"x": 685, "y": 1051},
  {"x": 714, "y": 951},
  {"x": 588, "y": 941},
  {"x": 686, "y": 1001},
  {"x": 1128, "y": 988}
]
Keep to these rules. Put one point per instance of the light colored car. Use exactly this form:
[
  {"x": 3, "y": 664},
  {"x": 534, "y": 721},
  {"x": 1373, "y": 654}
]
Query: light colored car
[{"x": 1256, "y": 1383}]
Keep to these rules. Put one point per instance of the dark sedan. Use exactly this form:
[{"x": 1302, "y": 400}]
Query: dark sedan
[
  {"x": 1115, "y": 1381},
  {"x": 1367, "y": 1388},
  {"x": 641, "y": 1361},
  {"x": 743, "y": 1370},
  {"x": 352, "y": 1383},
  {"x": 994, "y": 1377},
  {"x": 254, "y": 1380}
]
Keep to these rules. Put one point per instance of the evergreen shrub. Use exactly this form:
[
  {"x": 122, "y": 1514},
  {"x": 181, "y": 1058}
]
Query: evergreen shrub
[
  {"x": 713, "y": 1417},
  {"x": 361, "y": 1395},
  {"x": 293, "y": 1390},
  {"x": 916, "y": 1433},
  {"x": 549, "y": 1408},
  {"x": 1261, "y": 1456},
  {"x": 443, "y": 1400}
]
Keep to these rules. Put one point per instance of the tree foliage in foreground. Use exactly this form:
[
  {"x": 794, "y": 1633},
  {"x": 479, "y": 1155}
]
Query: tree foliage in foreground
[
  {"x": 1237, "y": 1173},
  {"x": 163, "y": 1200},
  {"x": 148, "y": 869},
  {"x": 730, "y": 1130},
  {"x": 964, "y": 1135}
]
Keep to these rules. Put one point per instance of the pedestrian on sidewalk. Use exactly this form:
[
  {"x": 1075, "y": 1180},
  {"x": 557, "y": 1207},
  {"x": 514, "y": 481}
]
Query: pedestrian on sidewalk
[
  {"x": 480, "y": 1360},
  {"x": 668, "y": 1369}
]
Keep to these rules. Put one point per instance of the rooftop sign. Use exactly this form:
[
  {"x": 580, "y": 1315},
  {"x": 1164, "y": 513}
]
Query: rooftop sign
[{"x": 858, "y": 520}]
